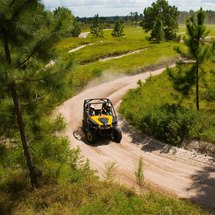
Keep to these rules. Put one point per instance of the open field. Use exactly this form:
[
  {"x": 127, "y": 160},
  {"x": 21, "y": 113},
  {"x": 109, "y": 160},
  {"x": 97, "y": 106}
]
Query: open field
[{"x": 87, "y": 65}]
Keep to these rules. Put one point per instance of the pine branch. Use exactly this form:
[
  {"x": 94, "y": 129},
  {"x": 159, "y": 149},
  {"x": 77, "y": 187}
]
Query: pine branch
[
  {"x": 11, "y": 3},
  {"x": 45, "y": 77},
  {"x": 35, "y": 100},
  {"x": 31, "y": 54}
]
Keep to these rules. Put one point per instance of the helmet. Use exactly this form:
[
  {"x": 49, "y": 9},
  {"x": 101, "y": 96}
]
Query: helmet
[{"x": 108, "y": 106}]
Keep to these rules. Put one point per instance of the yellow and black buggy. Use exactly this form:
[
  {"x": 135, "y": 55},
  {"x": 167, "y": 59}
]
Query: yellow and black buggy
[{"x": 100, "y": 120}]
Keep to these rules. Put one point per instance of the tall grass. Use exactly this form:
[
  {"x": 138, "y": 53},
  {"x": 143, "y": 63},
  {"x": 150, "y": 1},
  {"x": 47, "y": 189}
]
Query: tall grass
[
  {"x": 89, "y": 196},
  {"x": 139, "y": 173}
]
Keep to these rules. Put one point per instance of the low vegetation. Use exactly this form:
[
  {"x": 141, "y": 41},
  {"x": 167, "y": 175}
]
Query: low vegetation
[
  {"x": 85, "y": 194},
  {"x": 161, "y": 111}
]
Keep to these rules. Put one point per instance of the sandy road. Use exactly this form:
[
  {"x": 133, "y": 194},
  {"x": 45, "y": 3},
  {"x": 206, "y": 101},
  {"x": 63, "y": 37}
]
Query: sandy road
[{"x": 183, "y": 173}]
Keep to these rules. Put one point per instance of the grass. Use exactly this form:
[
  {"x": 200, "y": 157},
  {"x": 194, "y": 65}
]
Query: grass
[
  {"x": 87, "y": 66},
  {"x": 129, "y": 64},
  {"x": 92, "y": 197},
  {"x": 139, "y": 173}
]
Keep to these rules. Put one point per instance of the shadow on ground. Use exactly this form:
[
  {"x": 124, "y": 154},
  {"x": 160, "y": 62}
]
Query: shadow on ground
[
  {"x": 204, "y": 187},
  {"x": 80, "y": 135},
  {"x": 203, "y": 181}
]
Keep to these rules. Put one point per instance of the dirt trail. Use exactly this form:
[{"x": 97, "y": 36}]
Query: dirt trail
[
  {"x": 177, "y": 171},
  {"x": 120, "y": 56},
  {"x": 83, "y": 34}
]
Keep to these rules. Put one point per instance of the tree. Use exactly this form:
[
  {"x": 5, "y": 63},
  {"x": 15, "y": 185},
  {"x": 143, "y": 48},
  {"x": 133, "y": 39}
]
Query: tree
[
  {"x": 198, "y": 52},
  {"x": 131, "y": 16},
  {"x": 134, "y": 17},
  {"x": 27, "y": 33},
  {"x": 96, "y": 27},
  {"x": 166, "y": 14},
  {"x": 158, "y": 31},
  {"x": 118, "y": 29},
  {"x": 69, "y": 20},
  {"x": 76, "y": 29}
]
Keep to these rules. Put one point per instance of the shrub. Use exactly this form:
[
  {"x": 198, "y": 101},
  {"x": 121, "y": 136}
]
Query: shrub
[
  {"x": 210, "y": 94},
  {"x": 153, "y": 107},
  {"x": 170, "y": 122}
]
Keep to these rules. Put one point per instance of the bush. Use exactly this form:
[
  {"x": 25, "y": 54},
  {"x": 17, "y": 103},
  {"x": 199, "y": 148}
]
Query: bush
[
  {"x": 210, "y": 94},
  {"x": 170, "y": 122},
  {"x": 154, "y": 108}
]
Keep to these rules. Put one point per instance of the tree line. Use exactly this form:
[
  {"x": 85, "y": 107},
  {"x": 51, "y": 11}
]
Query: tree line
[{"x": 136, "y": 18}]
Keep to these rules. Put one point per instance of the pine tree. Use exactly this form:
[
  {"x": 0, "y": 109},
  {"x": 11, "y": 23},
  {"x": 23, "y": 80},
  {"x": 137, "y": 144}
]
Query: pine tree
[
  {"x": 96, "y": 27},
  {"x": 157, "y": 32},
  {"x": 118, "y": 29},
  {"x": 166, "y": 13},
  {"x": 27, "y": 33},
  {"x": 76, "y": 29},
  {"x": 198, "y": 52}
]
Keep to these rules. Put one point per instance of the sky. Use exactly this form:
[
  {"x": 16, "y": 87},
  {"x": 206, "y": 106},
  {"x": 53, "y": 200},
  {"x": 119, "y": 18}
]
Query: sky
[{"x": 88, "y": 8}]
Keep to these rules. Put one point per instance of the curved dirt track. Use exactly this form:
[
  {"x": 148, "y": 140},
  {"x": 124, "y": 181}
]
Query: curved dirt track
[{"x": 177, "y": 171}]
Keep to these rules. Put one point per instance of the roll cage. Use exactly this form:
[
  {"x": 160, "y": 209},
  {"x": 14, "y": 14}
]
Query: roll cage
[{"x": 98, "y": 103}]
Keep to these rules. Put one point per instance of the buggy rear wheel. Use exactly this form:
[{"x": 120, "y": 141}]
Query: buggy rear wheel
[{"x": 117, "y": 135}]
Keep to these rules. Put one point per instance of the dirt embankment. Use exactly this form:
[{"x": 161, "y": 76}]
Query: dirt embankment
[{"x": 183, "y": 173}]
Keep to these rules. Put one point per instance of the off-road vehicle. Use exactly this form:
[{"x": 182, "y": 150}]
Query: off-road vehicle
[{"x": 100, "y": 120}]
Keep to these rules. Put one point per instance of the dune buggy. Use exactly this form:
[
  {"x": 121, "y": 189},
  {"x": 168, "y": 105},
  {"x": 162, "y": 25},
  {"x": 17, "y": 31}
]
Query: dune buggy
[{"x": 100, "y": 120}]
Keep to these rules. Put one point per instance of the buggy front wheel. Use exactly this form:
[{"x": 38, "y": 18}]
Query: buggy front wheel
[{"x": 91, "y": 136}]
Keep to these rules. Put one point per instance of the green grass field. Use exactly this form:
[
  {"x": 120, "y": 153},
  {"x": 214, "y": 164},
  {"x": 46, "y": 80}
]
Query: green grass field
[
  {"x": 87, "y": 66},
  {"x": 138, "y": 105}
]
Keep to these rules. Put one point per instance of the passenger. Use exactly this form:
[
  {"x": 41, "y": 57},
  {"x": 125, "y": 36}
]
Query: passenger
[{"x": 106, "y": 109}]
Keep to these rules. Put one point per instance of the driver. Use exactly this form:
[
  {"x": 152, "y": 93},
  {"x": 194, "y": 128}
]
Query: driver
[{"x": 91, "y": 110}]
